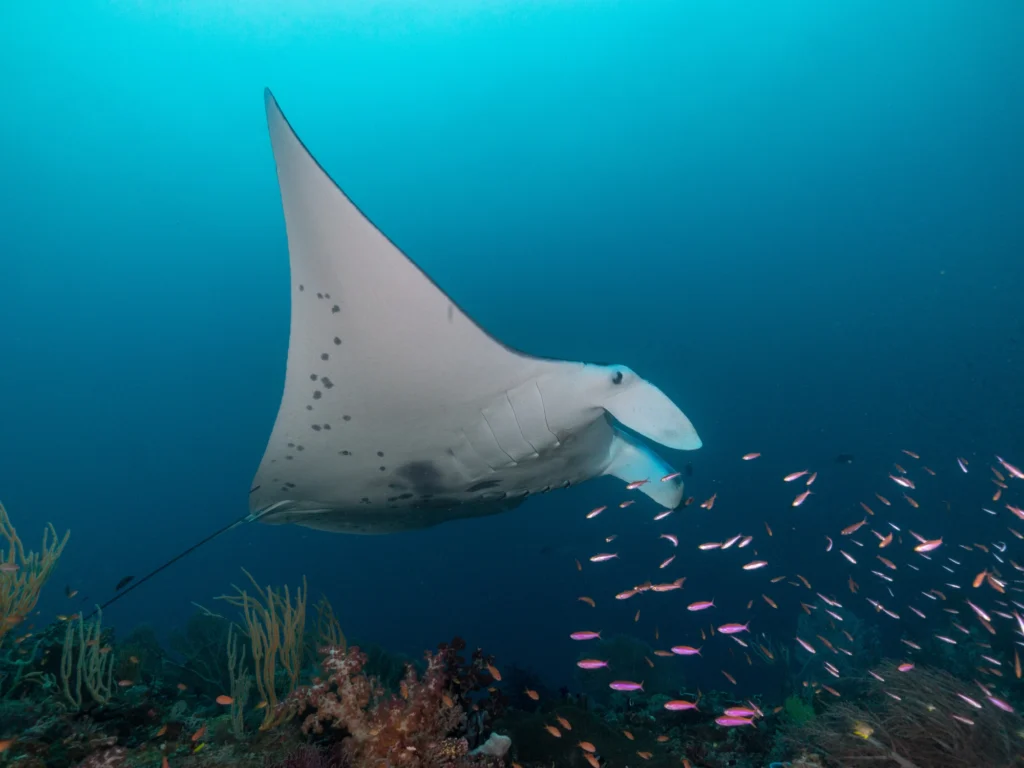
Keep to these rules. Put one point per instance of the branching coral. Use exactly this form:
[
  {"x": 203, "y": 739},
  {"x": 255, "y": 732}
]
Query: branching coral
[
  {"x": 413, "y": 728},
  {"x": 276, "y": 628},
  {"x": 86, "y": 660},
  {"x": 23, "y": 574},
  {"x": 911, "y": 720}
]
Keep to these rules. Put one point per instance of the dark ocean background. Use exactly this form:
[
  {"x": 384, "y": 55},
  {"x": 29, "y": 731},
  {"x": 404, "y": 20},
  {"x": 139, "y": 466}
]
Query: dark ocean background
[{"x": 804, "y": 221}]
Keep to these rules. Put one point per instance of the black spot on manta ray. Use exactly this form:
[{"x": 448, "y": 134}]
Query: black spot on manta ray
[
  {"x": 335, "y": 309},
  {"x": 617, "y": 377},
  {"x": 312, "y": 377},
  {"x": 317, "y": 394},
  {"x": 324, "y": 356},
  {"x": 326, "y": 382},
  {"x": 337, "y": 341}
]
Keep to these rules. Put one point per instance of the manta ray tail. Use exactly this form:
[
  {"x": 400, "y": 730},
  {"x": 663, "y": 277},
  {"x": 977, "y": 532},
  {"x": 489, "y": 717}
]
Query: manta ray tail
[{"x": 172, "y": 561}]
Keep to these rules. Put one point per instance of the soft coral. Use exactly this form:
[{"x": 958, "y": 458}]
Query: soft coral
[{"x": 411, "y": 729}]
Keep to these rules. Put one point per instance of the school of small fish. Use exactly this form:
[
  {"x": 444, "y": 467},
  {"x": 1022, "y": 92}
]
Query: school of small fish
[{"x": 974, "y": 586}]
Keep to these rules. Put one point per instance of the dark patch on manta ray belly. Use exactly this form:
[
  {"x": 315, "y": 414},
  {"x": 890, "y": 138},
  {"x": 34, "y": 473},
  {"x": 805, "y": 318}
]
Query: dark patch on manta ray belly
[
  {"x": 423, "y": 476},
  {"x": 483, "y": 485}
]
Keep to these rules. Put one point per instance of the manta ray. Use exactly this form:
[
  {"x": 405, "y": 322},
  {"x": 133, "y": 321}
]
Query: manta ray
[{"x": 400, "y": 412}]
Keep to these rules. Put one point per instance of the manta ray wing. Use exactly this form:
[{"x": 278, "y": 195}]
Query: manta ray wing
[{"x": 393, "y": 396}]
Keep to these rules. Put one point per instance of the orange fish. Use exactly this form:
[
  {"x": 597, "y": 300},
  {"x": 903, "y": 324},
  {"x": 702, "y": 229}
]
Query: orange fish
[
  {"x": 628, "y": 735},
  {"x": 710, "y": 502},
  {"x": 886, "y": 541},
  {"x": 224, "y": 700},
  {"x": 850, "y": 529},
  {"x": 563, "y": 722},
  {"x": 553, "y": 731},
  {"x": 769, "y": 601},
  {"x": 494, "y": 672},
  {"x": 589, "y": 601},
  {"x": 768, "y": 528},
  {"x": 729, "y": 677},
  {"x": 199, "y": 734},
  {"x": 884, "y": 500}
]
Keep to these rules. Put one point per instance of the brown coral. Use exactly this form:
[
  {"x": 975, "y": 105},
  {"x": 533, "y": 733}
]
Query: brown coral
[{"x": 410, "y": 729}]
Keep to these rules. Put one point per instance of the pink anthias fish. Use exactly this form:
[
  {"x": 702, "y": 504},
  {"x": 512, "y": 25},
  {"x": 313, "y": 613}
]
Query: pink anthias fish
[
  {"x": 585, "y": 635},
  {"x": 1010, "y": 468},
  {"x": 1000, "y": 703},
  {"x": 906, "y": 482},
  {"x": 625, "y": 685},
  {"x": 685, "y": 650},
  {"x": 603, "y": 557},
  {"x": 752, "y": 456},
  {"x": 680, "y": 705},
  {"x": 905, "y": 667},
  {"x": 801, "y": 498},
  {"x": 591, "y": 664},
  {"x": 794, "y": 476},
  {"x": 806, "y": 646},
  {"x": 928, "y": 546},
  {"x": 8, "y": 567},
  {"x": 740, "y": 712},
  {"x": 732, "y": 629},
  {"x": 701, "y": 605},
  {"x": 731, "y": 722}
]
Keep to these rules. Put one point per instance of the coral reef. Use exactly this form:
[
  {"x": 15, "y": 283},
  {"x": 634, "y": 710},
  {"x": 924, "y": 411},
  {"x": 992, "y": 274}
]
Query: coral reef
[
  {"x": 415, "y": 728},
  {"x": 923, "y": 718}
]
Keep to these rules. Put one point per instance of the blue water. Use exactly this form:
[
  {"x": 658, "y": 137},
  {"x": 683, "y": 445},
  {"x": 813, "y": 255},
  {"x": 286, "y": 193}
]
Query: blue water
[{"x": 804, "y": 222}]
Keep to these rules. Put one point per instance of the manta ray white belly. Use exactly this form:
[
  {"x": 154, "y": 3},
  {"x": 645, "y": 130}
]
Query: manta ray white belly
[{"x": 400, "y": 412}]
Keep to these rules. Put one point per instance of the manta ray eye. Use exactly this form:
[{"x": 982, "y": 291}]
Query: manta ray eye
[{"x": 617, "y": 377}]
